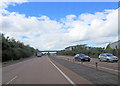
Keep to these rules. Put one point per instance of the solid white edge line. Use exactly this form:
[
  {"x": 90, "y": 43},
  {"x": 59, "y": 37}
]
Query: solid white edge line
[
  {"x": 11, "y": 80},
  {"x": 63, "y": 74}
]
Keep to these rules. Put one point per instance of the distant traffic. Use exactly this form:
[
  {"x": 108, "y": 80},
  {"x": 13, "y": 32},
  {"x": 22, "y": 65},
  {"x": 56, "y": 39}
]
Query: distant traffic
[
  {"x": 82, "y": 57},
  {"x": 39, "y": 54}
]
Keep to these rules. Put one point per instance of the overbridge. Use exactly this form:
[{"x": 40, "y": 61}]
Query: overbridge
[{"x": 49, "y": 50}]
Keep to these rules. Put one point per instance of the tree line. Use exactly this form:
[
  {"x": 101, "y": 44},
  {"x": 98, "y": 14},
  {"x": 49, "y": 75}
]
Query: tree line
[
  {"x": 92, "y": 52},
  {"x": 15, "y": 50}
]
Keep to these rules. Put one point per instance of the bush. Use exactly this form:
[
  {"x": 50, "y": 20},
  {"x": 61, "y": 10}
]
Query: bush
[
  {"x": 92, "y": 52},
  {"x": 14, "y": 50}
]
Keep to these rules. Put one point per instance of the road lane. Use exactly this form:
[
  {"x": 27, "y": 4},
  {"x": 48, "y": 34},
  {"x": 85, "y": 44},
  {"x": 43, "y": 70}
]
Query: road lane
[
  {"x": 72, "y": 75},
  {"x": 91, "y": 74},
  {"x": 11, "y": 71},
  {"x": 63, "y": 74},
  {"x": 34, "y": 71}
]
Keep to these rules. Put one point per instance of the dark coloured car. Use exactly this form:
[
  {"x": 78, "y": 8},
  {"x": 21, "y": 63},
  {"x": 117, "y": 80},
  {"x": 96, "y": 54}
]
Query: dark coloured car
[{"x": 81, "y": 57}]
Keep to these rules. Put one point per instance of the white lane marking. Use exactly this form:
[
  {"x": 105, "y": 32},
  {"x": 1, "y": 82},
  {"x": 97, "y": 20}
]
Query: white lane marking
[
  {"x": 63, "y": 74},
  {"x": 11, "y": 80}
]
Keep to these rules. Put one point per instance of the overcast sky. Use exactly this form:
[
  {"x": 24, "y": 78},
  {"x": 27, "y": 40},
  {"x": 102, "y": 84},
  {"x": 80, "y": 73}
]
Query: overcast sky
[{"x": 49, "y": 26}]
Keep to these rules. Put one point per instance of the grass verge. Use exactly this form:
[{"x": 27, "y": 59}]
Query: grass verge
[{"x": 4, "y": 64}]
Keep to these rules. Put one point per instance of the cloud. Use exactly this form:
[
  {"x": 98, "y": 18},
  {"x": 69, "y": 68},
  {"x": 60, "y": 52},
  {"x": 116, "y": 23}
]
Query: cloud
[
  {"x": 4, "y": 3},
  {"x": 43, "y": 33},
  {"x": 98, "y": 31}
]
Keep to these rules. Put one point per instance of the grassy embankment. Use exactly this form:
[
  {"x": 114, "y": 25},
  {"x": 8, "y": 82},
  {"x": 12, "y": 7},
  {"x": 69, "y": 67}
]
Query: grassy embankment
[{"x": 10, "y": 62}]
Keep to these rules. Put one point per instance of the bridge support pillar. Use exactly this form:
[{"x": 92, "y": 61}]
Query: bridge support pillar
[{"x": 48, "y": 53}]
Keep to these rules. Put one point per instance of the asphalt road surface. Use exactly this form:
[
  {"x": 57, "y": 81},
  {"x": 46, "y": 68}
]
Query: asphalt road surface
[
  {"x": 91, "y": 74},
  {"x": 50, "y": 70},
  {"x": 33, "y": 71}
]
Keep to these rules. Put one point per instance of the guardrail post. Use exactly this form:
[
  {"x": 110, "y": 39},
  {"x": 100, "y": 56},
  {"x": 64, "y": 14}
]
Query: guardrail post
[
  {"x": 68, "y": 59},
  {"x": 96, "y": 66},
  {"x": 81, "y": 62}
]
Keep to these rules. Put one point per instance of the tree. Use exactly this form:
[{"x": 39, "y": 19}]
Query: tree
[{"x": 12, "y": 49}]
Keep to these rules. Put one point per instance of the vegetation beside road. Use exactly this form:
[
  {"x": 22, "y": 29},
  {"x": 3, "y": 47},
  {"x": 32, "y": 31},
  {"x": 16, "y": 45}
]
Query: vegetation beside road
[
  {"x": 93, "y": 52},
  {"x": 10, "y": 62},
  {"x": 15, "y": 50}
]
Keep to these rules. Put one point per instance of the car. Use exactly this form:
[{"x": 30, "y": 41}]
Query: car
[
  {"x": 81, "y": 57},
  {"x": 39, "y": 54},
  {"x": 107, "y": 57}
]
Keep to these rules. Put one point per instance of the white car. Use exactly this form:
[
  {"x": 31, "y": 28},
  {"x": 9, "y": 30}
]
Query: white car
[
  {"x": 107, "y": 57},
  {"x": 39, "y": 54}
]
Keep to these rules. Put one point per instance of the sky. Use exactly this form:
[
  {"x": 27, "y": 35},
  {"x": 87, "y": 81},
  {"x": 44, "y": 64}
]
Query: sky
[
  {"x": 56, "y": 25},
  {"x": 65, "y": 8}
]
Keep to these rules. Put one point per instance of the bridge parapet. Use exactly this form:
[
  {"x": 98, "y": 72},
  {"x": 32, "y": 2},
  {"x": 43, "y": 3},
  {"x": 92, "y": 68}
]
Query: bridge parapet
[{"x": 49, "y": 51}]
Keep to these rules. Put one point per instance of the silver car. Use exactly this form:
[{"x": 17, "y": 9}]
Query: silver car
[{"x": 107, "y": 57}]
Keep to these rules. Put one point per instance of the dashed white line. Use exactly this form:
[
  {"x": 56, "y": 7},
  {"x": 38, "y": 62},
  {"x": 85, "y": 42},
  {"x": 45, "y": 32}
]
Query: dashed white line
[
  {"x": 11, "y": 80},
  {"x": 63, "y": 74}
]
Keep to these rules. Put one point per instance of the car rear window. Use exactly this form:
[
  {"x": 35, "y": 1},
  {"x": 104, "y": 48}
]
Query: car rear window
[
  {"x": 81, "y": 54},
  {"x": 109, "y": 55}
]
